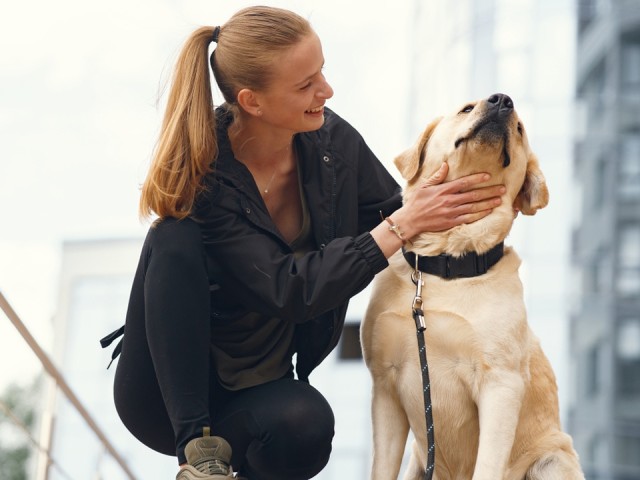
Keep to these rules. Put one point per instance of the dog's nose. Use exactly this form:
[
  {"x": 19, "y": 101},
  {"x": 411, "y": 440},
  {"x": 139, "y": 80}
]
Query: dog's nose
[{"x": 501, "y": 101}]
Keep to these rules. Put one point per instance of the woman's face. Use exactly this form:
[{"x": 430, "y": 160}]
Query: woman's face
[{"x": 295, "y": 99}]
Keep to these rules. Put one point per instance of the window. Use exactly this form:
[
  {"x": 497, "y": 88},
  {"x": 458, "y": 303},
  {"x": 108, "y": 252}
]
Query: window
[
  {"x": 600, "y": 182},
  {"x": 598, "y": 450},
  {"x": 625, "y": 452},
  {"x": 628, "y": 347},
  {"x": 599, "y": 274},
  {"x": 629, "y": 260},
  {"x": 628, "y": 353},
  {"x": 629, "y": 168},
  {"x": 596, "y": 94},
  {"x": 630, "y": 67},
  {"x": 586, "y": 13},
  {"x": 592, "y": 92},
  {"x": 350, "y": 342},
  {"x": 592, "y": 385}
]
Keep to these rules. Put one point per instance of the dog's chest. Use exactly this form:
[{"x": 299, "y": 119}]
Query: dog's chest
[{"x": 469, "y": 321}]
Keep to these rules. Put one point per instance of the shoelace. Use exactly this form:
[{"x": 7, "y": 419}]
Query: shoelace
[{"x": 212, "y": 467}]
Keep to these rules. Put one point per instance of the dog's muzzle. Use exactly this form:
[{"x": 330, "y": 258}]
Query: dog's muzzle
[{"x": 493, "y": 126}]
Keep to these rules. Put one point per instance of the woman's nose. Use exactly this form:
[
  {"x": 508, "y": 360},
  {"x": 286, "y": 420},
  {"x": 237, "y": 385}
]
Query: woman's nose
[{"x": 326, "y": 91}]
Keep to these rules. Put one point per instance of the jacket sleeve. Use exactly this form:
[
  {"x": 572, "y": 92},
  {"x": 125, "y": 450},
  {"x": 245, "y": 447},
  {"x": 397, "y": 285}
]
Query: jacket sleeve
[{"x": 258, "y": 272}]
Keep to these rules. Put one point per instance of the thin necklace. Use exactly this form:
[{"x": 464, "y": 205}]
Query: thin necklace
[{"x": 273, "y": 175}]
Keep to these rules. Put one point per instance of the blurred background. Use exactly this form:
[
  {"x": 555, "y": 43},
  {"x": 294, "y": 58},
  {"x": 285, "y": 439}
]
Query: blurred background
[{"x": 81, "y": 101}]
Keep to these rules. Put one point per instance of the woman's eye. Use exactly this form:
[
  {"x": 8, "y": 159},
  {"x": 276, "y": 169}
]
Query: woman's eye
[{"x": 467, "y": 109}]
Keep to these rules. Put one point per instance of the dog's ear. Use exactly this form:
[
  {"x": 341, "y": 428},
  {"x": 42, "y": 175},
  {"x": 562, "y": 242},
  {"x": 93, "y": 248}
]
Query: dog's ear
[
  {"x": 410, "y": 161},
  {"x": 534, "y": 194}
]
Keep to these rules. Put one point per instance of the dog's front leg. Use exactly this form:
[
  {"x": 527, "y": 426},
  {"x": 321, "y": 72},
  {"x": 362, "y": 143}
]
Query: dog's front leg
[
  {"x": 499, "y": 405},
  {"x": 390, "y": 430}
]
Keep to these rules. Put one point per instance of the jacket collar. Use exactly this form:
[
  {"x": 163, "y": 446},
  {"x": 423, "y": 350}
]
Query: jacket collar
[
  {"x": 228, "y": 168},
  {"x": 317, "y": 176}
]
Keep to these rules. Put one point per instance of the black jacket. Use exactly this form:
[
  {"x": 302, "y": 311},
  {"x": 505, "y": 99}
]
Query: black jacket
[{"x": 251, "y": 266}]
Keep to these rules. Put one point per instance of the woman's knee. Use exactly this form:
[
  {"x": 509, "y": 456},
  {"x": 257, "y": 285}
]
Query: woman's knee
[
  {"x": 142, "y": 412},
  {"x": 283, "y": 429},
  {"x": 306, "y": 421},
  {"x": 313, "y": 413}
]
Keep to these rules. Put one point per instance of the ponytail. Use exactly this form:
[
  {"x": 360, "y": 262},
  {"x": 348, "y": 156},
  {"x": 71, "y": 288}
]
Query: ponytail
[
  {"x": 187, "y": 146},
  {"x": 248, "y": 46}
]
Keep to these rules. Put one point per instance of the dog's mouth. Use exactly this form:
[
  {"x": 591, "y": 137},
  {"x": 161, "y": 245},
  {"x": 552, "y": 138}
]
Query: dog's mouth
[
  {"x": 493, "y": 126},
  {"x": 490, "y": 132}
]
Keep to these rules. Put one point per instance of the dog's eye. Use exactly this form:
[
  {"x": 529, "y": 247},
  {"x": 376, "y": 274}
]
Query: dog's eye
[
  {"x": 520, "y": 128},
  {"x": 467, "y": 109}
]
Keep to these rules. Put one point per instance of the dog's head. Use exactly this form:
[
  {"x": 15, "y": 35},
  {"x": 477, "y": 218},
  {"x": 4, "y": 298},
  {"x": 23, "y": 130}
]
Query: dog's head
[{"x": 482, "y": 136}]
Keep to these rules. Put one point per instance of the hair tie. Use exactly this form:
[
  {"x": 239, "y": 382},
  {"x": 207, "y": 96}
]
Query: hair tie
[{"x": 216, "y": 34}]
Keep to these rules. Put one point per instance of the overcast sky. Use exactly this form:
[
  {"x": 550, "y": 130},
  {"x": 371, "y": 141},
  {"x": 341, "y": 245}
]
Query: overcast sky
[{"x": 81, "y": 104}]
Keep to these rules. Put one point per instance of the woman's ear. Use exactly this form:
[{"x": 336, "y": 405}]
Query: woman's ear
[{"x": 248, "y": 101}]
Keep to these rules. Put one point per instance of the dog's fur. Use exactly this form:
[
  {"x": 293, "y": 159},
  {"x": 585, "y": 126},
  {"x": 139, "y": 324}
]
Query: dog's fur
[{"x": 494, "y": 394}]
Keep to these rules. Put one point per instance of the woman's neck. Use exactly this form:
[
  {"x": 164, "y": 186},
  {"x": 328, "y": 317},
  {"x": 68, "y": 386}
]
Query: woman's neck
[{"x": 260, "y": 147}]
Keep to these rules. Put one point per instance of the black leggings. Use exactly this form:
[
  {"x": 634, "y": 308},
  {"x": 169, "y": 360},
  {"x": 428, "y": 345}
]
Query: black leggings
[{"x": 165, "y": 386}]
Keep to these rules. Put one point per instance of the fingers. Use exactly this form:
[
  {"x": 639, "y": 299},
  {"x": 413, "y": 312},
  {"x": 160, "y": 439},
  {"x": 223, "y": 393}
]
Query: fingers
[
  {"x": 480, "y": 195},
  {"x": 446, "y": 205},
  {"x": 468, "y": 182},
  {"x": 478, "y": 206},
  {"x": 439, "y": 176}
]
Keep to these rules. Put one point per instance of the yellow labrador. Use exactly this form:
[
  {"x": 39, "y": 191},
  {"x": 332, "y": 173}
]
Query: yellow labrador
[{"x": 494, "y": 394}]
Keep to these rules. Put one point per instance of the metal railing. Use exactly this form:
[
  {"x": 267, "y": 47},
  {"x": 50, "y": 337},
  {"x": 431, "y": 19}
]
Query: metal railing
[{"x": 64, "y": 387}]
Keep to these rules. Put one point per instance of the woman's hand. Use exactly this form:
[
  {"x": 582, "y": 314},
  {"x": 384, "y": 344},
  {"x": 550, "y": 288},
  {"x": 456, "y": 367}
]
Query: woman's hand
[{"x": 437, "y": 206}]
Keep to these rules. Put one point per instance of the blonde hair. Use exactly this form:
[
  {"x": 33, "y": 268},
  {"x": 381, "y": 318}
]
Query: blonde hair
[{"x": 247, "y": 47}]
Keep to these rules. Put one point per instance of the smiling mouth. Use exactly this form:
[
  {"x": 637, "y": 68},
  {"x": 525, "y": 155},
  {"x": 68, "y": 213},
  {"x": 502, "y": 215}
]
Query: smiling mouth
[{"x": 315, "y": 110}]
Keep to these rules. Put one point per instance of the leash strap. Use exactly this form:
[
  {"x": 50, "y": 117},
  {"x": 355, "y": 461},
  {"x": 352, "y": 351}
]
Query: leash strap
[{"x": 418, "y": 317}]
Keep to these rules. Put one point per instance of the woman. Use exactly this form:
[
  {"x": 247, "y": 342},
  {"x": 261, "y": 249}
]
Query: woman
[{"x": 269, "y": 222}]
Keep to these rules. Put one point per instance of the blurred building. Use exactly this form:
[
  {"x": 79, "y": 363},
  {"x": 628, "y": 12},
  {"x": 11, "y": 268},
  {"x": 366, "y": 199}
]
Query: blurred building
[{"x": 605, "y": 322}]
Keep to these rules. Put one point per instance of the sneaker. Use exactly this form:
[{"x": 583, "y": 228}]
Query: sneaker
[{"x": 208, "y": 458}]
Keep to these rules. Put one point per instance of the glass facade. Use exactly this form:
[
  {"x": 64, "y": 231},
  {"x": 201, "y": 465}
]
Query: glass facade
[{"x": 605, "y": 323}]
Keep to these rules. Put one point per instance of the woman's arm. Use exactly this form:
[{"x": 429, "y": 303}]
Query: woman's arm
[{"x": 438, "y": 206}]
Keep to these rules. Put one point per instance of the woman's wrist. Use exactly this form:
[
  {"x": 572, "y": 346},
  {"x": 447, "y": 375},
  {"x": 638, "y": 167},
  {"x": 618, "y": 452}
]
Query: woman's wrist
[
  {"x": 396, "y": 229},
  {"x": 404, "y": 222},
  {"x": 390, "y": 234}
]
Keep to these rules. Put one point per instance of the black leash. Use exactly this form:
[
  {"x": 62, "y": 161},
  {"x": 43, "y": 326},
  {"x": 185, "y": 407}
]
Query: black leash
[{"x": 418, "y": 317}]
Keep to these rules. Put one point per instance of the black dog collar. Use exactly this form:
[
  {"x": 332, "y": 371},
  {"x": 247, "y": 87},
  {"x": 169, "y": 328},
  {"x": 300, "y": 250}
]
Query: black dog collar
[{"x": 446, "y": 266}]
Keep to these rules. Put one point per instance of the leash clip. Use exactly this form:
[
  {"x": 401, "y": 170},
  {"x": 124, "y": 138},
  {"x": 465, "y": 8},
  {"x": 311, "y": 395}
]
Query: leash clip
[
  {"x": 418, "y": 317},
  {"x": 416, "y": 306}
]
